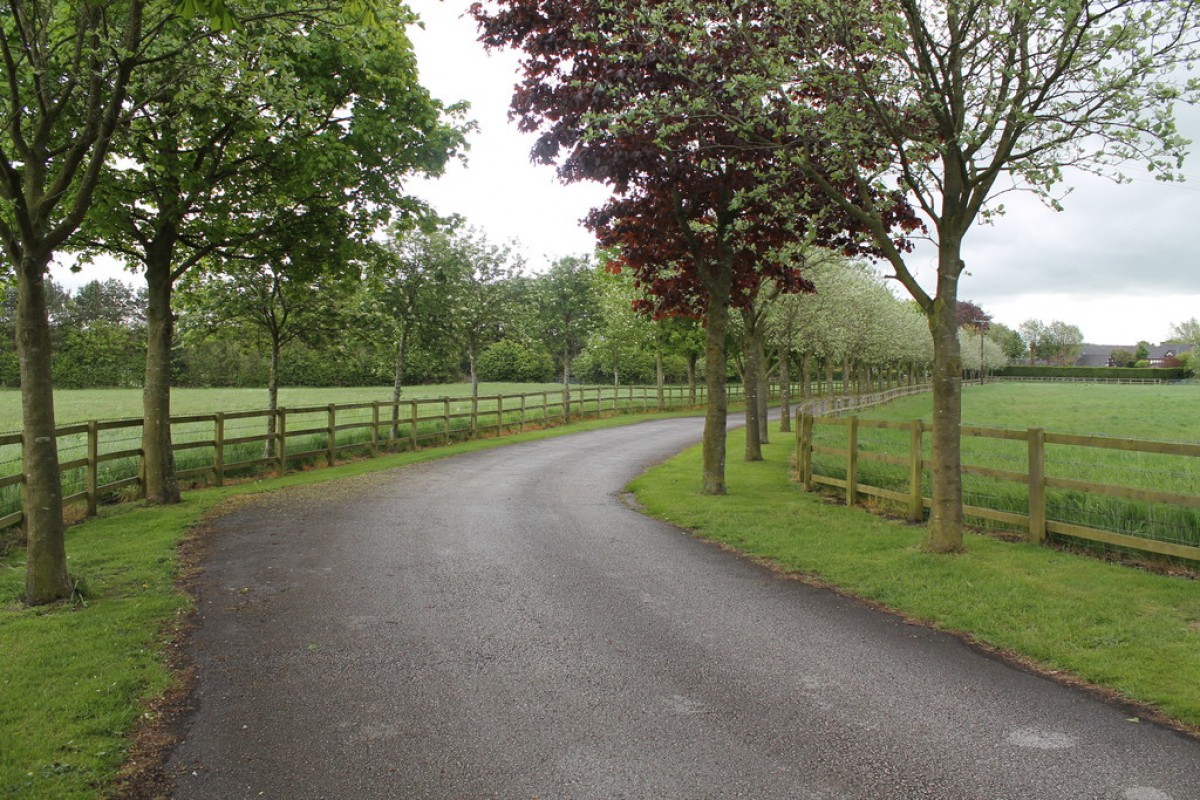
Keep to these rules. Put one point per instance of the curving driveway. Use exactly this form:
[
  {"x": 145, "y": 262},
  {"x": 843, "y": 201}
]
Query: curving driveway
[{"x": 501, "y": 625}]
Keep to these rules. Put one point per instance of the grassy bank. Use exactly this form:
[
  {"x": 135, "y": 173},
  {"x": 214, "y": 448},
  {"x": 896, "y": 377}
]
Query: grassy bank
[
  {"x": 74, "y": 678},
  {"x": 1133, "y": 632}
]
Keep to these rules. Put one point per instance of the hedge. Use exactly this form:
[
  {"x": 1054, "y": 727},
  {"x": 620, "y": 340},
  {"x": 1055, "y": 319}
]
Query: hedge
[{"x": 1115, "y": 373}]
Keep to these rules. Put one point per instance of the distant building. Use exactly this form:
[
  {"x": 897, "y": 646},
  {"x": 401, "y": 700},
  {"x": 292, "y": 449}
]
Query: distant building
[
  {"x": 1161, "y": 355},
  {"x": 1167, "y": 354},
  {"x": 1099, "y": 355}
]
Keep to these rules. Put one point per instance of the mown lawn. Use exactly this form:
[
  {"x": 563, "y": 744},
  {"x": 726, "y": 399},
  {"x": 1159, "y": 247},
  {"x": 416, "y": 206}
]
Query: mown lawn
[{"x": 1124, "y": 629}]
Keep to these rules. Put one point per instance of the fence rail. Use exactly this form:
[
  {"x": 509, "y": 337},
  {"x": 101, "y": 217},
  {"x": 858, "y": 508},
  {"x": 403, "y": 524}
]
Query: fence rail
[
  {"x": 99, "y": 460},
  {"x": 1148, "y": 518}
]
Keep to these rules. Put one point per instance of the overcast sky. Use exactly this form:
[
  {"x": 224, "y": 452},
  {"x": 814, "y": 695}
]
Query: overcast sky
[{"x": 1121, "y": 261}]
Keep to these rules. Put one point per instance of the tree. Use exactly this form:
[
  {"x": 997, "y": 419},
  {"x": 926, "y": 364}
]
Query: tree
[
  {"x": 409, "y": 276},
  {"x": 567, "y": 299},
  {"x": 1121, "y": 357},
  {"x": 694, "y": 213},
  {"x": 294, "y": 285},
  {"x": 1063, "y": 341},
  {"x": 476, "y": 294},
  {"x": 621, "y": 332},
  {"x": 66, "y": 69},
  {"x": 1186, "y": 332},
  {"x": 955, "y": 101},
  {"x": 1009, "y": 340},
  {"x": 302, "y": 90},
  {"x": 1033, "y": 333}
]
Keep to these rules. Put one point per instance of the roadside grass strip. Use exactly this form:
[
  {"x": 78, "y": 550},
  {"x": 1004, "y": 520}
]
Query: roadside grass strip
[
  {"x": 1124, "y": 630},
  {"x": 77, "y": 678}
]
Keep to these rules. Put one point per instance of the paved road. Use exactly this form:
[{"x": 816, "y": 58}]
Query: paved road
[{"x": 500, "y": 625}]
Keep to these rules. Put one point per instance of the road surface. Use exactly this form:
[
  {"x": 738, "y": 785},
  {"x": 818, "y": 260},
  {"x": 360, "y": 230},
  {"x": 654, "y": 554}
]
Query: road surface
[{"x": 501, "y": 625}]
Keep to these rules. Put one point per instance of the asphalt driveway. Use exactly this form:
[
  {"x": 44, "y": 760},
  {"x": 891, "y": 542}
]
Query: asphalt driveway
[{"x": 502, "y": 625}]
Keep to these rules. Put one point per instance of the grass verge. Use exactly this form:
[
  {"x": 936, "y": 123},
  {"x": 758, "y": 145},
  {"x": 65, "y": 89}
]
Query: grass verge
[
  {"x": 1129, "y": 632},
  {"x": 77, "y": 678}
]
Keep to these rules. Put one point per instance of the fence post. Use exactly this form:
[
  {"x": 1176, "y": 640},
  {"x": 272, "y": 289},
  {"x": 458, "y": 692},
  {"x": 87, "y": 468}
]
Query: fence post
[
  {"x": 374, "y": 429},
  {"x": 852, "y": 462},
  {"x": 446, "y": 419},
  {"x": 281, "y": 444},
  {"x": 412, "y": 423},
  {"x": 331, "y": 436},
  {"x": 474, "y": 416},
  {"x": 545, "y": 409},
  {"x": 521, "y": 424},
  {"x": 916, "y": 508},
  {"x": 804, "y": 430},
  {"x": 93, "y": 468},
  {"x": 1037, "y": 485},
  {"x": 499, "y": 415},
  {"x": 219, "y": 448}
]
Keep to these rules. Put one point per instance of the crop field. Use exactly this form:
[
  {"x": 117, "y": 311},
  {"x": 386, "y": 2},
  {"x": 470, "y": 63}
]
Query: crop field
[{"x": 1164, "y": 413}]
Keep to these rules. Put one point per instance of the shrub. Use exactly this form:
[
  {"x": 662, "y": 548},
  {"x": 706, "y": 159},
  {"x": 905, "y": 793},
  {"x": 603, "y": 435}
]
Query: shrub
[{"x": 511, "y": 361}]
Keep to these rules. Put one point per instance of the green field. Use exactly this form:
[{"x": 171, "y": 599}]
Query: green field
[
  {"x": 1162, "y": 412},
  {"x": 1153, "y": 412},
  {"x": 307, "y": 424},
  {"x": 82, "y": 405}
]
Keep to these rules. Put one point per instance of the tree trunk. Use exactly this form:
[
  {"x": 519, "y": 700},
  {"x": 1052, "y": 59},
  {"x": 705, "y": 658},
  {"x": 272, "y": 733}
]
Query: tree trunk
[
  {"x": 785, "y": 390},
  {"x": 566, "y": 376},
  {"x": 806, "y": 375},
  {"x": 691, "y": 377},
  {"x": 471, "y": 366},
  {"x": 162, "y": 485},
  {"x": 944, "y": 534},
  {"x": 398, "y": 380},
  {"x": 750, "y": 385},
  {"x": 272, "y": 398},
  {"x": 659, "y": 377},
  {"x": 760, "y": 352},
  {"x": 46, "y": 562},
  {"x": 715, "y": 364}
]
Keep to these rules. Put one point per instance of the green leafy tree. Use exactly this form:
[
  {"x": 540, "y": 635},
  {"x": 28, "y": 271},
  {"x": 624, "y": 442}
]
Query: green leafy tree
[
  {"x": 410, "y": 289},
  {"x": 295, "y": 285},
  {"x": 1009, "y": 340},
  {"x": 476, "y": 293},
  {"x": 567, "y": 299},
  {"x": 303, "y": 92},
  {"x": 109, "y": 301},
  {"x": 1034, "y": 333},
  {"x": 1121, "y": 357}
]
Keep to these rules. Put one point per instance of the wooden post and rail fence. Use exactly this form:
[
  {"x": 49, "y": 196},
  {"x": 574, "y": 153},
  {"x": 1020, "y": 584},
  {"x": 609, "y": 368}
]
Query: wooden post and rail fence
[
  {"x": 1038, "y": 485},
  {"x": 102, "y": 459}
]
